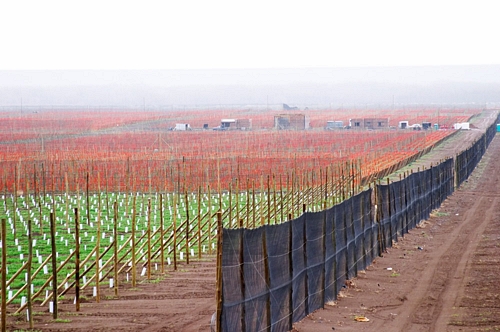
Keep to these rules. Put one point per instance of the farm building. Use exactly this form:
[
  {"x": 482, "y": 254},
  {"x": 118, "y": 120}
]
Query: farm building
[
  {"x": 369, "y": 123},
  {"x": 331, "y": 125},
  {"x": 291, "y": 121},
  {"x": 231, "y": 124},
  {"x": 403, "y": 124}
]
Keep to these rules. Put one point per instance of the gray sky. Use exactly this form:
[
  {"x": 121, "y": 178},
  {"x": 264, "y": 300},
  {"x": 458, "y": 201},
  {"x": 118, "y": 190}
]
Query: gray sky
[
  {"x": 234, "y": 52},
  {"x": 96, "y": 35}
]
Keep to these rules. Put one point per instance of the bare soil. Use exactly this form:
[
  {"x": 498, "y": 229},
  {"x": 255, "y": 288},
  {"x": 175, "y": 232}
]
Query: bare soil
[
  {"x": 182, "y": 300},
  {"x": 443, "y": 276}
]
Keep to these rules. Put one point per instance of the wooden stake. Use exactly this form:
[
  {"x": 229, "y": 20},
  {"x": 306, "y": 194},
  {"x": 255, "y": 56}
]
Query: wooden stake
[
  {"x": 28, "y": 268},
  {"x": 4, "y": 274},
  {"x": 199, "y": 219},
  {"x": 54, "y": 264},
  {"x": 88, "y": 201},
  {"x": 134, "y": 267},
  {"x": 219, "y": 272},
  {"x": 187, "y": 225},
  {"x": 162, "y": 235},
  {"x": 98, "y": 252},
  {"x": 149, "y": 239},
  {"x": 77, "y": 260},
  {"x": 67, "y": 198},
  {"x": 115, "y": 247},
  {"x": 174, "y": 225}
]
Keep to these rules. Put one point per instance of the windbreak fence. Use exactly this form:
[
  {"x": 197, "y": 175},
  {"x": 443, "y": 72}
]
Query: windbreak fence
[
  {"x": 468, "y": 159},
  {"x": 275, "y": 275}
]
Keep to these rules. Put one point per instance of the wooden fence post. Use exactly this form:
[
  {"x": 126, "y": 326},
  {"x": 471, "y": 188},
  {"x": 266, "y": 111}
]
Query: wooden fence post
[
  {"x": 115, "y": 247},
  {"x": 162, "y": 234},
  {"x": 187, "y": 224},
  {"x": 149, "y": 240},
  {"x": 98, "y": 253},
  {"x": 174, "y": 224},
  {"x": 54, "y": 264},
  {"x": 4, "y": 274},
  {"x": 219, "y": 273},
  {"x": 134, "y": 265},
  {"x": 28, "y": 268},
  {"x": 77, "y": 260}
]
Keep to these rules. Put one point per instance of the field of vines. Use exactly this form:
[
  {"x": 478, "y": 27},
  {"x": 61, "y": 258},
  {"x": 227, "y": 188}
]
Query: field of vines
[{"x": 92, "y": 199}]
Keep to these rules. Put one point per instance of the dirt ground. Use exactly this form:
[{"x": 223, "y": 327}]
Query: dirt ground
[
  {"x": 444, "y": 277},
  {"x": 182, "y": 300}
]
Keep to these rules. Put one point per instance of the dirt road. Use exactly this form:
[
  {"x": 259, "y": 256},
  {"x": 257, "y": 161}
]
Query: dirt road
[{"x": 443, "y": 276}]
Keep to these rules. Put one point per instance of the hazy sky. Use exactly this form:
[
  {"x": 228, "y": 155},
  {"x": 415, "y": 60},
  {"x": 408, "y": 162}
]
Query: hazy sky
[{"x": 245, "y": 34}]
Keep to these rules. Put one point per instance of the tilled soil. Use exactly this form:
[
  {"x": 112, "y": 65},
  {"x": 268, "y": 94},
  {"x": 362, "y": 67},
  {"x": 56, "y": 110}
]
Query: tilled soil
[
  {"x": 442, "y": 276},
  {"x": 182, "y": 300}
]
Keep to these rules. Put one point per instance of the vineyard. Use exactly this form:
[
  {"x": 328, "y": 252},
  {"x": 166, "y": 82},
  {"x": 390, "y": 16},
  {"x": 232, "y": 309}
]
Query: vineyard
[{"x": 94, "y": 199}]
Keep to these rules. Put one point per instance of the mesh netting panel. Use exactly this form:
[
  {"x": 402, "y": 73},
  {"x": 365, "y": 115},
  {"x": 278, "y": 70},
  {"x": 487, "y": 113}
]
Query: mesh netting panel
[
  {"x": 385, "y": 217},
  {"x": 349, "y": 228},
  {"x": 341, "y": 244},
  {"x": 256, "y": 290},
  {"x": 396, "y": 211},
  {"x": 299, "y": 285},
  {"x": 357, "y": 219},
  {"x": 330, "y": 259},
  {"x": 370, "y": 229},
  {"x": 315, "y": 258},
  {"x": 232, "y": 292},
  {"x": 279, "y": 243}
]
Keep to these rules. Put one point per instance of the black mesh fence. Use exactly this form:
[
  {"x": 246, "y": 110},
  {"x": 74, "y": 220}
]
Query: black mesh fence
[
  {"x": 467, "y": 160},
  {"x": 275, "y": 275},
  {"x": 404, "y": 203}
]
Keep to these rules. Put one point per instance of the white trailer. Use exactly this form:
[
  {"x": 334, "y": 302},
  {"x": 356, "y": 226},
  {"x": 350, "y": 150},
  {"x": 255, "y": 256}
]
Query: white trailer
[
  {"x": 182, "y": 127},
  {"x": 463, "y": 125}
]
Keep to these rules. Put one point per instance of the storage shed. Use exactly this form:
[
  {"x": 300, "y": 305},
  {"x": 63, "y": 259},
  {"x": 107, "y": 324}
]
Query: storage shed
[
  {"x": 369, "y": 123},
  {"x": 241, "y": 124},
  {"x": 291, "y": 121}
]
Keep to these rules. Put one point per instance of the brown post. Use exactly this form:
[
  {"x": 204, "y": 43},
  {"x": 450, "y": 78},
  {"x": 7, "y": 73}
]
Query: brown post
[
  {"x": 174, "y": 223},
  {"x": 237, "y": 199},
  {"x": 209, "y": 220},
  {"x": 149, "y": 239},
  {"x": 98, "y": 252},
  {"x": 67, "y": 198},
  {"x": 162, "y": 233},
  {"x": 4, "y": 274},
  {"x": 88, "y": 201},
  {"x": 115, "y": 247},
  {"x": 134, "y": 267},
  {"x": 187, "y": 225},
  {"x": 28, "y": 267},
  {"x": 14, "y": 215},
  {"x": 248, "y": 203},
  {"x": 77, "y": 260},
  {"x": 281, "y": 200},
  {"x": 268, "y": 200},
  {"x": 199, "y": 219},
  {"x": 230, "y": 224},
  {"x": 253, "y": 205},
  {"x": 267, "y": 278},
  {"x": 54, "y": 264},
  {"x": 219, "y": 272}
]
